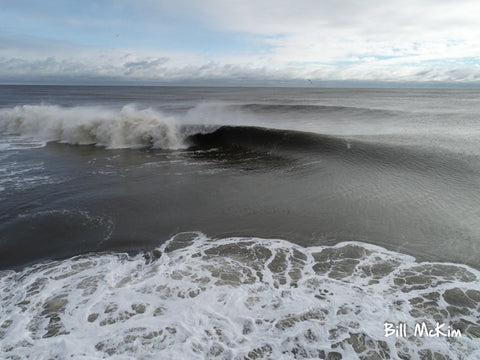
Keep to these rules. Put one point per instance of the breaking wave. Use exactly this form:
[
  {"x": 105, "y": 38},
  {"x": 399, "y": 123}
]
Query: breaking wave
[{"x": 128, "y": 127}]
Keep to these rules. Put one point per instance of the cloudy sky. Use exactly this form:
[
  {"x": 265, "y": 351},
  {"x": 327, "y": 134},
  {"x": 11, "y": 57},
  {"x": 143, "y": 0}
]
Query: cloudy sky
[{"x": 240, "y": 42}]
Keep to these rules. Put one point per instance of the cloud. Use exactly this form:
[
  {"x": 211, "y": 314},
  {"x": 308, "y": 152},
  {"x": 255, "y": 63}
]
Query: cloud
[
  {"x": 144, "y": 66},
  {"x": 160, "y": 71},
  {"x": 375, "y": 18},
  {"x": 253, "y": 41}
]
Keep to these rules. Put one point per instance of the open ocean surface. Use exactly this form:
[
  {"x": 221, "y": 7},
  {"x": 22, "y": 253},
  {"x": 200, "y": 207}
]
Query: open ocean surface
[{"x": 238, "y": 223}]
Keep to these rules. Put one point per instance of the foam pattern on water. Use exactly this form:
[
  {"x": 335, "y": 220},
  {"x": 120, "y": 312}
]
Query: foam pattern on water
[
  {"x": 23, "y": 175},
  {"x": 238, "y": 298},
  {"x": 9, "y": 142}
]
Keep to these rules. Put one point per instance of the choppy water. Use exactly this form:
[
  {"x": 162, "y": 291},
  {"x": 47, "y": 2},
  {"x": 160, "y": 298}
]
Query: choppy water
[{"x": 138, "y": 222}]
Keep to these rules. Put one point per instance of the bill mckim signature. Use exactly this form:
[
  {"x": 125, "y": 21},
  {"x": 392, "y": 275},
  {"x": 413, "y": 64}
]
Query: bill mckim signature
[{"x": 420, "y": 330}]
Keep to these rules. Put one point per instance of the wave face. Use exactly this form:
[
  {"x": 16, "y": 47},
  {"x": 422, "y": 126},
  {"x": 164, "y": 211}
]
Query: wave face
[
  {"x": 239, "y": 298},
  {"x": 125, "y": 128},
  {"x": 259, "y": 137}
]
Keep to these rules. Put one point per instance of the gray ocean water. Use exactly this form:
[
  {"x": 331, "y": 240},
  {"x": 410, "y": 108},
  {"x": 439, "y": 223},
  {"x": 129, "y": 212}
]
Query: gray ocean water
[{"x": 238, "y": 223}]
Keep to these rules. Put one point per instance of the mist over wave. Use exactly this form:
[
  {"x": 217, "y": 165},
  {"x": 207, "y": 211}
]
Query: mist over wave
[{"x": 127, "y": 127}]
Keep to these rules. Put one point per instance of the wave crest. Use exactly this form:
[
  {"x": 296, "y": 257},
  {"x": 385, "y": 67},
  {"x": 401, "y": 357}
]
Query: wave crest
[{"x": 128, "y": 127}]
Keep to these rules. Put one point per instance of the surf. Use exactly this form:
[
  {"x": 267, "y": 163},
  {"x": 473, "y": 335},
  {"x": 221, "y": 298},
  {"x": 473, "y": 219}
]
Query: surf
[
  {"x": 128, "y": 127},
  {"x": 248, "y": 297}
]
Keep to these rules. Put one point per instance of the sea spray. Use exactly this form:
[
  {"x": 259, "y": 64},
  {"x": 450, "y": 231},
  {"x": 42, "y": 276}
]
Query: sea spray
[{"x": 128, "y": 127}]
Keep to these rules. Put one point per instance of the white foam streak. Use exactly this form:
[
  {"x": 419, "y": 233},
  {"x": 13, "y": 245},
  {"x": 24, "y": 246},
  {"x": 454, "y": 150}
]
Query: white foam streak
[{"x": 128, "y": 127}]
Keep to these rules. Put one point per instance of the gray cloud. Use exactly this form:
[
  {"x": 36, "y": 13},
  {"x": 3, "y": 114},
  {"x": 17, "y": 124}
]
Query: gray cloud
[
  {"x": 144, "y": 66},
  {"x": 161, "y": 71}
]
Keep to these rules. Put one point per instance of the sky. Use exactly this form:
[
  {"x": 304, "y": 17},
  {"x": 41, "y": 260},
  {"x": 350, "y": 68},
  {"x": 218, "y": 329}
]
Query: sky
[{"x": 241, "y": 42}]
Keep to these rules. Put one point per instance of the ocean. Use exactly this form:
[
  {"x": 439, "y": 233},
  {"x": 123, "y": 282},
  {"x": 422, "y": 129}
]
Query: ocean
[{"x": 239, "y": 223}]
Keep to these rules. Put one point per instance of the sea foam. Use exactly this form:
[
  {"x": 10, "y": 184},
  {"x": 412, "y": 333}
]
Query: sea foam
[{"x": 238, "y": 298}]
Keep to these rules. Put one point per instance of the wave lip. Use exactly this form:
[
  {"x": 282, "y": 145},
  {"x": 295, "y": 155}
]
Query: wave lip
[
  {"x": 314, "y": 109},
  {"x": 128, "y": 127}
]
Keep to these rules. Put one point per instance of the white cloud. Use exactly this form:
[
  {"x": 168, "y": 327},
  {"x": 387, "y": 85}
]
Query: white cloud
[
  {"x": 375, "y": 18},
  {"x": 421, "y": 40}
]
